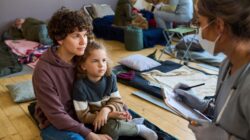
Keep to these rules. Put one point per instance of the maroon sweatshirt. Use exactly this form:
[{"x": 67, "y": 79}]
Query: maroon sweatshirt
[{"x": 53, "y": 82}]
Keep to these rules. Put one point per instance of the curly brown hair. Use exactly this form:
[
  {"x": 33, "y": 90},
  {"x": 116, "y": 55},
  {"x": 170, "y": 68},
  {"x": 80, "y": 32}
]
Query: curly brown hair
[
  {"x": 90, "y": 47},
  {"x": 66, "y": 21}
]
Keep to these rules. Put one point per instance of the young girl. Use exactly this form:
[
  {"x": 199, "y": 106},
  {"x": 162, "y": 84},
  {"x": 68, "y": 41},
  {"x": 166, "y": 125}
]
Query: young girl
[{"x": 97, "y": 100}]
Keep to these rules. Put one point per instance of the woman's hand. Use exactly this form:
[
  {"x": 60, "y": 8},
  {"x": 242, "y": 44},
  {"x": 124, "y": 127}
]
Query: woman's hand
[
  {"x": 94, "y": 136},
  {"x": 101, "y": 118},
  {"x": 188, "y": 97}
]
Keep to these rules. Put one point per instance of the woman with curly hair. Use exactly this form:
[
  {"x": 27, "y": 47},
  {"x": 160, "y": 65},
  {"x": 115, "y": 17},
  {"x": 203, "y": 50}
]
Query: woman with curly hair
[{"x": 54, "y": 75}]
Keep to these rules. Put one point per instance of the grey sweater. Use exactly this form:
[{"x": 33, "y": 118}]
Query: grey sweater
[
  {"x": 183, "y": 7},
  {"x": 236, "y": 116}
]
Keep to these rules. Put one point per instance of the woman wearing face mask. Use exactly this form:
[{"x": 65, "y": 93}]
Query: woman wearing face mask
[{"x": 224, "y": 27}]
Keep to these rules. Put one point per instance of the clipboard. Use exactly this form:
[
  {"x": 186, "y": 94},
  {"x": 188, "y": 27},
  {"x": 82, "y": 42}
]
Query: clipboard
[{"x": 180, "y": 108}]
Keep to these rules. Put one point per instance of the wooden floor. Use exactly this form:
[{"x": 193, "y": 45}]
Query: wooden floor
[{"x": 16, "y": 123}]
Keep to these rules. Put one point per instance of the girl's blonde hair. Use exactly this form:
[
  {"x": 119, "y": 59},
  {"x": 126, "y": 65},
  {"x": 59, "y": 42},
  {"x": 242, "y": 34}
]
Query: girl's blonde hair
[{"x": 90, "y": 48}]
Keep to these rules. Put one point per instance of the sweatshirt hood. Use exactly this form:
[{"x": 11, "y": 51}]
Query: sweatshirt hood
[{"x": 52, "y": 58}]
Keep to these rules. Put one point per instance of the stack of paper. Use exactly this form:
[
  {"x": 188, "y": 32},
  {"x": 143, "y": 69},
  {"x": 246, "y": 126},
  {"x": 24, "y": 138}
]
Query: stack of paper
[
  {"x": 180, "y": 108},
  {"x": 171, "y": 104}
]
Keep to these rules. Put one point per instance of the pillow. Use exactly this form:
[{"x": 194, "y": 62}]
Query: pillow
[
  {"x": 101, "y": 10},
  {"x": 22, "y": 91},
  {"x": 186, "y": 40},
  {"x": 139, "y": 62}
]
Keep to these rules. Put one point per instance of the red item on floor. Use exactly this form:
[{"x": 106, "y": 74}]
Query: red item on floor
[
  {"x": 152, "y": 23},
  {"x": 135, "y": 10}
]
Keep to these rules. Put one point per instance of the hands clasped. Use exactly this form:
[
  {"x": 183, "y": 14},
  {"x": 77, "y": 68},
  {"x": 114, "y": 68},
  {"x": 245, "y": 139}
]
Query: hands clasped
[{"x": 105, "y": 114}]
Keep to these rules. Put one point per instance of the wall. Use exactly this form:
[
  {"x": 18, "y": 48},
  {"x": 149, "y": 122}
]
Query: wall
[{"x": 40, "y": 9}]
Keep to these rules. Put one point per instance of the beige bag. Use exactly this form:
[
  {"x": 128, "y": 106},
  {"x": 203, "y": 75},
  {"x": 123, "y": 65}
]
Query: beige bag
[{"x": 140, "y": 22}]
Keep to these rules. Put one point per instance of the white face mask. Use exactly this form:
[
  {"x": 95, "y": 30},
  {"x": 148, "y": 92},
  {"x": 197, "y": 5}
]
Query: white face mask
[{"x": 207, "y": 45}]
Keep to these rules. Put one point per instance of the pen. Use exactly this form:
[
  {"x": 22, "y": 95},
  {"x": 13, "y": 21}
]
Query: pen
[
  {"x": 202, "y": 115},
  {"x": 188, "y": 88}
]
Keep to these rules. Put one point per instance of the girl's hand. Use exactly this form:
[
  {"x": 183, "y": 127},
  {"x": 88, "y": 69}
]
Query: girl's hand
[
  {"x": 118, "y": 115},
  {"x": 101, "y": 118},
  {"x": 129, "y": 117}
]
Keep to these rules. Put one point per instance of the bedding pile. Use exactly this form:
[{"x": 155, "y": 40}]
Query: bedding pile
[{"x": 168, "y": 74}]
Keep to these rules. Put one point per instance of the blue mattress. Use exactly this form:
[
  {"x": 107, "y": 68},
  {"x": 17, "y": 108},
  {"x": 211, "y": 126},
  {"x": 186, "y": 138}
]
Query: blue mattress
[
  {"x": 103, "y": 29},
  {"x": 161, "y": 134},
  {"x": 142, "y": 84}
]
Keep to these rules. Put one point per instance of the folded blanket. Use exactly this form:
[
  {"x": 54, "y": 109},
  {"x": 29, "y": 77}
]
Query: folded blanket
[
  {"x": 183, "y": 75},
  {"x": 21, "y": 47}
]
